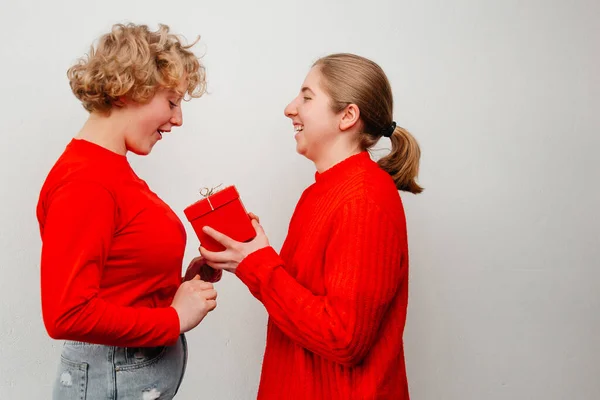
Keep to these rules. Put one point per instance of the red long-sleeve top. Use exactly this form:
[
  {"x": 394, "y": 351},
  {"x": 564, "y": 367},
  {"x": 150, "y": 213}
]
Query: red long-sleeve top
[
  {"x": 337, "y": 295},
  {"x": 112, "y": 252}
]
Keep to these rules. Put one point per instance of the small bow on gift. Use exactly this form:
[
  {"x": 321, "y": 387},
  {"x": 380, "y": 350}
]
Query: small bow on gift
[{"x": 205, "y": 191}]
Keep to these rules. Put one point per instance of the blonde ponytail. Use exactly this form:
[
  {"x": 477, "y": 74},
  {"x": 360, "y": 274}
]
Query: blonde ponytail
[{"x": 403, "y": 161}]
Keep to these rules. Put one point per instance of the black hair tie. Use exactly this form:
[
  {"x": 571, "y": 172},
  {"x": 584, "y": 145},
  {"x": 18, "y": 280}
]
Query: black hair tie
[{"x": 387, "y": 132}]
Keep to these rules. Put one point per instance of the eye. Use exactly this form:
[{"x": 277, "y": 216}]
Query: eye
[
  {"x": 172, "y": 105},
  {"x": 307, "y": 98}
]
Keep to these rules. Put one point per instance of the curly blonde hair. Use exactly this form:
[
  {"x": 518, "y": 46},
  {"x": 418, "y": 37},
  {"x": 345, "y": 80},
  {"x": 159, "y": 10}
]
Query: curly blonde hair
[{"x": 133, "y": 62}]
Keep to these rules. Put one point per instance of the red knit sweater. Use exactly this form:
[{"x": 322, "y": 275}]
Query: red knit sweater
[
  {"x": 111, "y": 252},
  {"x": 337, "y": 295}
]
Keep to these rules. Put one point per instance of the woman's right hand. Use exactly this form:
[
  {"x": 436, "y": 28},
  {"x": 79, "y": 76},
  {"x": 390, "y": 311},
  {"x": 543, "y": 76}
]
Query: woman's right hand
[{"x": 193, "y": 300}]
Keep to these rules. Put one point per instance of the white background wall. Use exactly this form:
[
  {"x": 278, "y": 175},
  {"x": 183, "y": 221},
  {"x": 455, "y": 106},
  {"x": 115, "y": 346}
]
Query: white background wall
[{"x": 504, "y": 97}]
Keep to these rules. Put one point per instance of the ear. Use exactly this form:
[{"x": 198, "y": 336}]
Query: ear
[{"x": 350, "y": 117}]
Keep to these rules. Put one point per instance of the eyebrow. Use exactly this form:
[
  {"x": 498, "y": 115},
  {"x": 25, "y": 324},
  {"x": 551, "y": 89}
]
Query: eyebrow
[{"x": 307, "y": 89}]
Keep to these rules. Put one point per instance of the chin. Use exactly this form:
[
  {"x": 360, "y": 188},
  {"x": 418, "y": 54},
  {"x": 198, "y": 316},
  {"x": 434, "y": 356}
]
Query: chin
[
  {"x": 141, "y": 151},
  {"x": 301, "y": 150}
]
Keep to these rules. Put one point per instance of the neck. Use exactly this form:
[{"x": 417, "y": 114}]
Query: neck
[
  {"x": 105, "y": 131},
  {"x": 335, "y": 154}
]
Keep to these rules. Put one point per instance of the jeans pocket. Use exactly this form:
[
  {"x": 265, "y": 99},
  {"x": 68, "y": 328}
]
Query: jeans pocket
[
  {"x": 141, "y": 357},
  {"x": 71, "y": 382}
]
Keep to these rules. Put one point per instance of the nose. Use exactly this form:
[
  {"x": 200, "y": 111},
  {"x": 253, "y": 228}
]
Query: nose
[
  {"x": 291, "y": 110},
  {"x": 177, "y": 118}
]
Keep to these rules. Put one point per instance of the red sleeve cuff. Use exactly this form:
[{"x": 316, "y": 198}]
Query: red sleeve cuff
[
  {"x": 173, "y": 328},
  {"x": 256, "y": 268}
]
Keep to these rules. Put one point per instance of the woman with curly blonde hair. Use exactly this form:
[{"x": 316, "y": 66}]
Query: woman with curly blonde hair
[{"x": 111, "y": 248}]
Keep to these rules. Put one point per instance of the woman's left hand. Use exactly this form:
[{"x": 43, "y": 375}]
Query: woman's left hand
[
  {"x": 198, "y": 266},
  {"x": 235, "y": 251}
]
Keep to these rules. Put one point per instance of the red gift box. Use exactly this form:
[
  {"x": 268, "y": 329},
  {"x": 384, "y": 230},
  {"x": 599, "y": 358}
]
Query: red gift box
[{"x": 224, "y": 212}]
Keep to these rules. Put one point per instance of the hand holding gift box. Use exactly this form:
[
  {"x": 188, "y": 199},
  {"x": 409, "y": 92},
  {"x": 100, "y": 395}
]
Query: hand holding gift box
[
  {"x": 235, "y": 252},
  {"x": 223, "y": 211},
  {"x": 226, "y": 231}
]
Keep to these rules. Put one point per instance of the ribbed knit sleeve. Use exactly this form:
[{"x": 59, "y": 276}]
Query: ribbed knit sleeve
[{"x": 362, "y": 273}]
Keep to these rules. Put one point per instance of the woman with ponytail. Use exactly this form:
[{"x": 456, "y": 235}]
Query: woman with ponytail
[{"x": 337, "y": 293}]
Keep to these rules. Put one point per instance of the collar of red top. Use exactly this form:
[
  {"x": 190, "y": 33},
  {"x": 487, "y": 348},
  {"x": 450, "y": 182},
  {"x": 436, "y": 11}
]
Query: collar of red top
[
  {"x": 96, "y": 150},
  {"x": 344, "y": 168}
]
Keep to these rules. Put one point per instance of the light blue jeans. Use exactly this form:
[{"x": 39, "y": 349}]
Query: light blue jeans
[{"x": 91, "y": 371}]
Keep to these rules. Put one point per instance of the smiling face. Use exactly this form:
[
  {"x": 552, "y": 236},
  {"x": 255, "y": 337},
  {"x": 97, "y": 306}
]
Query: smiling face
[
  {"x": 316, "y": 126},
  {"x": 147, "y": 122}
]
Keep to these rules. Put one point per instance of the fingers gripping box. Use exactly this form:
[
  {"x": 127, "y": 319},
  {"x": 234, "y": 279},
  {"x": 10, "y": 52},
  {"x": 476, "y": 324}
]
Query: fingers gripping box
[{"x": 224, "y": 212}]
